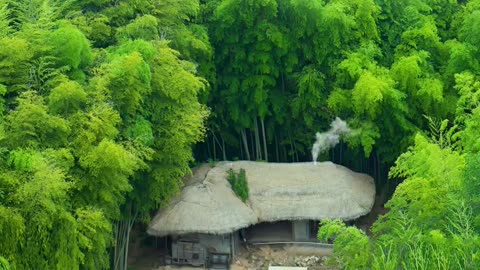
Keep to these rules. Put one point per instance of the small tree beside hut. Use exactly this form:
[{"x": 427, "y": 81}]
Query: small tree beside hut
[{"x": 239, "y": 183}]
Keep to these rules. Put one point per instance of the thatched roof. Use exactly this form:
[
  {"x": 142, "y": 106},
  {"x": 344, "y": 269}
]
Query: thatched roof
[
  {"x": 306, "y": 191},
  {"x": 203, "y": 207},
  {"x": 278, "y": 191}
]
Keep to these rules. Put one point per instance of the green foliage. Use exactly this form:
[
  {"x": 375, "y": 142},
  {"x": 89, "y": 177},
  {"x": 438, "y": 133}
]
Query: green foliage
[
  {"x": 4, "y": 265},
  {"x": 239, "y": 184},
  {"x": 68, "y": 97},
  {"x": 440, "y": 135},
  {"x": 427, "y": 167},
  {"x": 145, "y": 27},
  {"x": 470, "y": 138},
  {"x": 469, "y": 96},
  {"x": 14, "y": 58},
  {"x": 471, "y": 28},
  {"x": 430, "y": 225},
  {"x": 368, "y": 94},
  {"x": 100, "y": 109},
  {"x": 5, "y": 20},
  {"x": 31, "y": 125},
  {"x": 12, "y": 226},
  {"x": 364, "y": 135},
  {"x": 97, "y": 121},
  {"x": 128, "y": 81},
  {"x": 95, "y": 237},
  {"x": 472, "y": 184},
  {"x": 352, "y": 246},
  {"x": 310, "y": 97},
  {"x": 48, "y": 239},
  {"x": 109, "y": 166},
  {"x": 142, "y": 132},
  {"x": 71, "y": 47},
  {"x": 94, "y": 125}
]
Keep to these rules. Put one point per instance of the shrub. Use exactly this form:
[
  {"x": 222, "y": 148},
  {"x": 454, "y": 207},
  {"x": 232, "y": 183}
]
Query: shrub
[
  {"x": 4, "y": 265},
  {"x": 239, "y": 183}
]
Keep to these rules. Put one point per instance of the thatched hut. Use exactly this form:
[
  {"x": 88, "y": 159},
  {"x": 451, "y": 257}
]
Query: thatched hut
[{"x": 291, "y": 194}]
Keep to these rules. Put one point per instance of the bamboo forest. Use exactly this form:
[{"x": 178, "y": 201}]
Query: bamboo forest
[{"x": 108, "y": 105}]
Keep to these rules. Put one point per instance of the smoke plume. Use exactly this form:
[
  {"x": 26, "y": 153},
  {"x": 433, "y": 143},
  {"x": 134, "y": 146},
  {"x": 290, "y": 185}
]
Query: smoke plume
[{"x": 326, "y": 140}]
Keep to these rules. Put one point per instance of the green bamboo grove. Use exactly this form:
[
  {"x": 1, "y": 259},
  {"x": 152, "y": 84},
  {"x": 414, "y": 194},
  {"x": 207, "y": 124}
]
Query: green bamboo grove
[{"x": 107, "y": 104}]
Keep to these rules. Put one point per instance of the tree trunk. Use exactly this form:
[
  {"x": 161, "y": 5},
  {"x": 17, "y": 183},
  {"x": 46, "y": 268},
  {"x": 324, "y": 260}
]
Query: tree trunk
[
  {"x": 252, "y": 143},
  {"x": 294, "y": 149},
  {"x": 242, "y": 156},
  {"x": 291, "y": 148},
  {"x": 221, "y": 145},
  {"x": 208, "y": 148},
  {"x": 276, "y": 148},
  {"x": 245, "y": 143},
  {"x": 264, "y": 140},
  {"x": 379, "y": 173},
  {"x": 224, "y": 151},
  {"x": 295, "y": 152},
  {"x": 214, "y": 149},
  {"x": 375, "y": 176},
  {"x": 115, "y": 250},
  {"x": 258, "y": 150},
  {"x": 125, "y": 260},
  {"x": 119, "y": 254},
  {"x": 341, "y": 150},
  {"x": 122, "y": 240}
]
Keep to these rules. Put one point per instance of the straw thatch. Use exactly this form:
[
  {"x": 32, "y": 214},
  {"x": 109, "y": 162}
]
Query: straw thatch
[
  {"x": 204, "y": 208},
  {"x": 278, "y": 191},
  {"x": 297, "y": 191}
]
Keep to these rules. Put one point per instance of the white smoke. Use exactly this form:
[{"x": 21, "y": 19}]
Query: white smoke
[{"x": 326, "y": 140}]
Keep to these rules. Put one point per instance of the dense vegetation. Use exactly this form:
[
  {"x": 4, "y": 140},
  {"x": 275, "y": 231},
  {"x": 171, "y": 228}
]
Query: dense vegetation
[
  {"x": 102, "y": 102},
  {"x": 98, "y": 116},
  {"x": 433, "y": 222}
]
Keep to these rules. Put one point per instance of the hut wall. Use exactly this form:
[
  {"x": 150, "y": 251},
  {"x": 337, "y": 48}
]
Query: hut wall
[
  {"x": 301, "y": 230},
  {"x": 236, "y": 243},
  {"x": 216, "y": 243}
]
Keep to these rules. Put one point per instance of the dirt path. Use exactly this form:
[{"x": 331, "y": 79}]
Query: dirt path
[
  {"x": 263, "y": 256},
  {"x": 258, "y": 258}
]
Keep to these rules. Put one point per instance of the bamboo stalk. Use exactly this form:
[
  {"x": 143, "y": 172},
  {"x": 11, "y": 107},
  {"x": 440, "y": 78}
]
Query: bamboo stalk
[
  {"x": 214, "y": 149},
  {"x": 220, "y": 145},
  {"x": 276, "y": 148},
  {"x": 242, "y": 156},
  {"x": 258, "y": 150},
  {"x": 264, "y": 140},
  {"x": 252, "y": 144},
  {"x": 224, "y": 151},
  {"x": 245, "y": 143}
]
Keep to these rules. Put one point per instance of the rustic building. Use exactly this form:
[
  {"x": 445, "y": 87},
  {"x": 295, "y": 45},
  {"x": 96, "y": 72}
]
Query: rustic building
[{"x": 286, "y": 201}]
